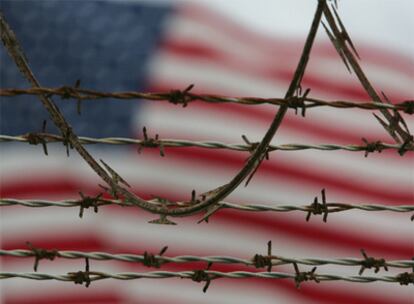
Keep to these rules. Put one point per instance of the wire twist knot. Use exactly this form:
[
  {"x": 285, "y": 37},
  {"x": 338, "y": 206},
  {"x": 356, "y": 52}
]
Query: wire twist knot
[
  {"x": 372, "y": 146},
  {"x": 304, "y": 276},
  {"x": 406, "y": 145},
  {"x": 38, "y": 138},
  {"x": 149, "y": 142},
  {"x": 203, "y": 276},
  {"x": 408, "y": 106},
  {"x": 370, "y": 262},
  {"x": 318, "y": 208},
  {"x": 261, "y": 261},
  {"x": 41, "y": 254},
  {"x": 81, "y": 277},
  {"x": 298, "y": 101},
  {"x": 181, "y": 97},
  {"x": 151, "y": 261},
  {"x": 87, "y": 202}
]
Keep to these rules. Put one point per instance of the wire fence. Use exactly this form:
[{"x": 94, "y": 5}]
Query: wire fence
[{"x": 211, "y": 201}]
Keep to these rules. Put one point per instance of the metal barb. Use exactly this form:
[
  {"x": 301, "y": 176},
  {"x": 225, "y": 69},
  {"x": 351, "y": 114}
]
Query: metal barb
[
  {"x": 41, "y": 254},
  {"x": 162, "y": 220},
  {"x": 181, "y": 97},
  {"x": 66, "y": 139},
  {"x": 344, "y": 34},
  {"x": 149, "y": 142},
  {"x": 36, "y": 138},
  {"x": 375, "y": 146},
  {"x": 115, "y": 176},
  {"x": 318, "y": 208},
  {"x": 337, "y": 47},
  {"x": 298, "y": 101},
  {"x": 87, "y": 202},
  {"x": 150, "y": 260},
  {"x": 252, "y": 146},
  {"x": 203, "y": 276},
  {"x": 260, "y": 261},
  {"x": 406, "y": 278},
  {"x": 81, "y": 277},
  {"x": 408, "y": 106},
  {"x": 370, "y": 262},
  {"x": 304, "y": 276}
]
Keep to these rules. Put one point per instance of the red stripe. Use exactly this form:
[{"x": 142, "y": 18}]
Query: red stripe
[
  {"x": 311, "y": 232},
  {"x": 295, "y": 174},
  {"x": 75, "y": 297}
]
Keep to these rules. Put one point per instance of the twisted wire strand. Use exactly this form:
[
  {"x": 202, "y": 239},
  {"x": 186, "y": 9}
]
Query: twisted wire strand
[
  {"x": 135, "y": 258},
  {"x": 332, "y": 207},
  {"x": 95, "y": 276},
  {"x": 186, "y": 97},
  {"x": 173, "y": 143}
]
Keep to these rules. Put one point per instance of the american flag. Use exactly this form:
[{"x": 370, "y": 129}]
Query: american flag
[{"x": 164, "y": 45}]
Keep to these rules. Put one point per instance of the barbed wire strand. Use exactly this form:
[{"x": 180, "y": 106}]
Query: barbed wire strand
[
  {"x": 135, "y": 258},
  {"x": 332, "y": 207},
  {"x": 95, "y": 276},
  {"x": 173, "y": 143},
  {"x": 66, "y": 92}
]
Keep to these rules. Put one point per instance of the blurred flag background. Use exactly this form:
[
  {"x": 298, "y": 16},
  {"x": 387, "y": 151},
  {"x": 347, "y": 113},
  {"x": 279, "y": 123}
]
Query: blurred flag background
[{"x": 235, "y": 48}]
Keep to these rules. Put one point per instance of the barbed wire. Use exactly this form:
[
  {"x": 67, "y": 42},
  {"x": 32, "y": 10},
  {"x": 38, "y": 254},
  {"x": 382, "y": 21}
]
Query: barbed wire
[
  {"x": 368, "y": 147},
  {"x": 331, "y": 207},
  {"x": 394, "y": 124},
  {"x": 135, "y": 258},
  {"x": 184, "y": 97},
  {"x": 95, "y": 276},
  {"x": 208, "y": 200}
]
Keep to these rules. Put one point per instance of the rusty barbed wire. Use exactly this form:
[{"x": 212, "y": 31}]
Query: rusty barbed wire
[
  {"x": 112, "y": 179},
  {"x": 395, "y": 125},
  {"x": 162, "y": 259},
  {"x": 331, "y": 207},
  {"x": 368, "y": 147},
  {"x": 277, "y": 208},
  {"x": 186, "y": 97},
  {"x": 95, "y": 276}
]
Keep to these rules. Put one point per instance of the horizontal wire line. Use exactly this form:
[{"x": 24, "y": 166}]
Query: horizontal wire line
[
  {"x": 173, "y": 143},
  {"x": 94, "y": 276},
  {"x": 184, "y": 97},
  {"x": 332, "y": 207},
  {"x": 135, "y": 258}
]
